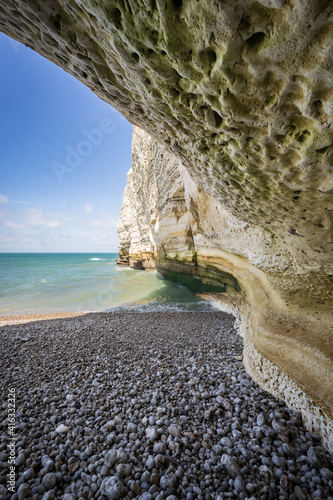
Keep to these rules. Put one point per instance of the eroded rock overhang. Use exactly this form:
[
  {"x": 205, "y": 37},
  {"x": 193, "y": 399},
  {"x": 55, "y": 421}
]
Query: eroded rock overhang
[
  {"x": 241, "y": 92},
  {"x": 167, "y": 222}
]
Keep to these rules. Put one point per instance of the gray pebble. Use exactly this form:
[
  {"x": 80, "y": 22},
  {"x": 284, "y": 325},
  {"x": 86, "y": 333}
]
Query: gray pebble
[
  {"x": 278, "y": 461},
  {"x": 327, "y": 474},
  {"x": 231, "y": 465},
  {"x": 317, "y": 457},
  {"x": 110, "y": 458},
  {"x": 49, "y": 495},
  {"x": 20, "y": 460},
  {"x": 159, "y": 448},
  {"x": 174, "y": 431},
  {"x": 225, "y": 441},
  {"x": 168, "y": 481},
  {"x": 23, "y": 491},
  {"x": 150, "y": 463},
  {"x": 112, "y": 488},
  {"x": 261, "y": 419},
  {"x": 49, "y": 481}
]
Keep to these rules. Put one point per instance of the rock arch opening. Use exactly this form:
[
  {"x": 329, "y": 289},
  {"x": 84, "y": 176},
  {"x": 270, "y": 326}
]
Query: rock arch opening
[{"x": 246, "y": 125}]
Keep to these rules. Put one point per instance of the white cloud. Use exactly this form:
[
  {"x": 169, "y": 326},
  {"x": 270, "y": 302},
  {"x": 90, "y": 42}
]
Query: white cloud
[
  {"x": 34, "y": 229},
  {"x": 13, "y": 225},
  {"x": 7, "y": 240},
  {"x": 88, "y": 208},
  {"x": 96, "y": 223},
  {"x": 107, "y": 222},
  {"x": 36, "y": 218},
  {"x": 4, "y": 198}
]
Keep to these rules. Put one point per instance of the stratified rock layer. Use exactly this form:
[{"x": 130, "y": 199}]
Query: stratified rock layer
[{"x": 241, "y": 92}]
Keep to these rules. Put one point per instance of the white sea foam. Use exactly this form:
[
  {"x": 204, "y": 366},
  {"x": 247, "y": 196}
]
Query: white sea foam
[{"x": 96, "y": 258}]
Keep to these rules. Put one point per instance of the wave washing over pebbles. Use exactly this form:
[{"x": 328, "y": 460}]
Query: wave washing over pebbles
[{"x": 149, "y": 406}]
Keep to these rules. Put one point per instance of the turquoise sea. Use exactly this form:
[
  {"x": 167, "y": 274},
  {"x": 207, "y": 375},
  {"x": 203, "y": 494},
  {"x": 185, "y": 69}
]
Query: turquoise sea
[{"x": 80, "y": 282}]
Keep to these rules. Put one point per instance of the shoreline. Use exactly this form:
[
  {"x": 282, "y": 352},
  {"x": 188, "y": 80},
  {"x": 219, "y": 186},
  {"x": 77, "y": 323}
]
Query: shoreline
[{"x": 15, "y": 319}]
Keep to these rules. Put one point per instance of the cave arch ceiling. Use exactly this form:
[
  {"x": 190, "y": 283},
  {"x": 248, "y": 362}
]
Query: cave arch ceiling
[{"x": 241, "y": 91}]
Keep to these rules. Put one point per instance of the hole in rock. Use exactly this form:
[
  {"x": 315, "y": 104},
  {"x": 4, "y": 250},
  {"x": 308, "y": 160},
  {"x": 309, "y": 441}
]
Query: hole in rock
[
  {"x": 218, "y": 119},
  {"x": 212, "y": 55},
  {"x": 115, "y": 18},
  {"x": 302, "y": 137},
  {"x": 177, "y": 4},
  {"x": 57, "y": 22},
  {"x": 322, "y": 151},
  {"x": 256, "y": 39}
]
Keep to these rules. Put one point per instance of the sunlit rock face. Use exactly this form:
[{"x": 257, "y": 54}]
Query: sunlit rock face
[{"x": 241, "y": 92}]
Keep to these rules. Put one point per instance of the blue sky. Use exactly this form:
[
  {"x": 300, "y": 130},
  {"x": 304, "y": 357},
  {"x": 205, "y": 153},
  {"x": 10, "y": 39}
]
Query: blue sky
[{"x": 64, "y": 158}]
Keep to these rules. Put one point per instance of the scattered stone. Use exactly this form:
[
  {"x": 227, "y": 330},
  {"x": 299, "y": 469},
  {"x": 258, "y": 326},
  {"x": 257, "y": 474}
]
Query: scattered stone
[
  {"x": 231, "y": 465},
  {"x": 49, "y": 495},
  {"x": 174, "y": 431},
  {"x": 23, "y": 491},
  {"x": 168, "y": 481},
  {"x": 286, "y": 482},
  {"x": 151, "y": 433},
  {"x": 159, "y": 448},
  {"x": 62, "y": 429},
  {"x": 124, "y": 470},
  {"x": 225, "y": 441},
  {"x": 317, "y": 457},
  {"x": 327, "y": 474},
  {"x": 239, "y": 484},
  {"x": 150, "y": 463},
  {"x": 110, "y": 458},
  {"x": 112, "y": 488},
  {"x": 49, "y": 481},
  {"x": 20, "y": 460},
  {"x": 261, "y": 419}
]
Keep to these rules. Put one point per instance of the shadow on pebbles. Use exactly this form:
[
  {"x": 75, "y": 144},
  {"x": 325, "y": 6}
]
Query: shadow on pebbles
[{"x": 149, "y": 406}]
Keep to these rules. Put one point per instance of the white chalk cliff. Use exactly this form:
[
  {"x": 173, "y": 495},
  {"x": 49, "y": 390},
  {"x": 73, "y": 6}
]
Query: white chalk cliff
[
  {"x": 167, "y": 222},
  {"x": 240, "y": 92}
]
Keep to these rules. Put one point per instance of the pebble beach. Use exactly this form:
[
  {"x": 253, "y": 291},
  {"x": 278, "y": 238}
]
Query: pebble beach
[{"x": 146, "y": 406}]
